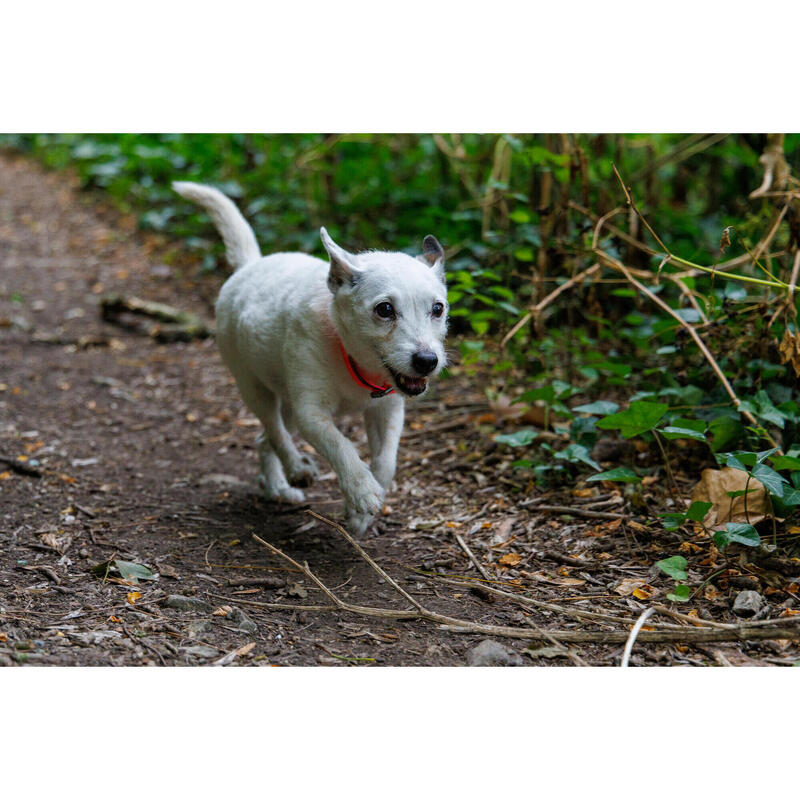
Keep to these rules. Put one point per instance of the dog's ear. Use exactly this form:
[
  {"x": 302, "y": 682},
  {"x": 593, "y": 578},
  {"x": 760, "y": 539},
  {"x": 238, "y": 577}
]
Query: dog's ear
[
  {"x": 433, "y": 255},
  {"x": 343, "y": 267}
]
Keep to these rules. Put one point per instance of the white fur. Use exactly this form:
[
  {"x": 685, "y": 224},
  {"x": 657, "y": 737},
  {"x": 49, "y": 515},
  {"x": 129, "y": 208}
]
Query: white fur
[{"x": 279, "y": 321}]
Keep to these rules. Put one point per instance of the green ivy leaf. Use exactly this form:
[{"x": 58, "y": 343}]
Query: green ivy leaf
[
  {"x": 518, "y": 438},
  {"x": 598, "y": 407},
  {"x": 739, "y": 532},
  {"x": 680, "y": 594},
  {"x": 639, "y": 418},
  {"x": 675, "y": 567},
  {"x": 698, "y": 510},
  {"x": 620, "y": 474},
  {"x": 772, "y": 480},
  {"x": 577, "y": 452}
]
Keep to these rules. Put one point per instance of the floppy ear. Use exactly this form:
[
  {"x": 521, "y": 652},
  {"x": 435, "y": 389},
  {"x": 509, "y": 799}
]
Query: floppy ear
[
  {"x": 433, "y": 255},
  {"x": 343, "y": 268}
]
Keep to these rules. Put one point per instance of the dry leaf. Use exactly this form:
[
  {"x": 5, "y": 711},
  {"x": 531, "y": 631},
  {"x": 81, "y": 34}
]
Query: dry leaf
[
  {"x": 583, "y": 492},
  {"x": 627, "y": 585},
  {"x": 553, "y": 580},
  {"x": 3, "y": 637},
  {"x": 713, "y": 488},
  {"x": 222, "y": 611},
  {"x": 59, "y": 542},
  {"x": 167, "y": 571},
  {"x": 725, "y": 239},
  {"x": 790, "y": 349},
  {"x": 510, "y": 559},
  {"x": 502, "y": 531},
  {"x": 132, "y": 597},
  {"x": 644, "y": 592},
  {"x": 245, "y": 649}
]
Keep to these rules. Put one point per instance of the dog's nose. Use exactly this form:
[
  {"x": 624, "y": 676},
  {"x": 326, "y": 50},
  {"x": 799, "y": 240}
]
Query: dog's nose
[{"x": 424, "y": 362}]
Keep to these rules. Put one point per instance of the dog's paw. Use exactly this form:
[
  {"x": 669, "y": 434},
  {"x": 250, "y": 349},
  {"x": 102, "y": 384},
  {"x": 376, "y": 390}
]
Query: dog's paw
[
  {"x": 280, "y": 494},
  {"x": 303, "y": 472},
  {"x": 365, "y": 496},
  {"x": 357, "y": 524}
]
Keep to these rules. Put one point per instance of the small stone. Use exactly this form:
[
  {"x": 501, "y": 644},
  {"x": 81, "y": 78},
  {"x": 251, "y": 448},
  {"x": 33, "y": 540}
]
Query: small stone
[
  {"x": 200, "y": 651},
  {"x": 492, "y": 654},
  {"x": 83, "y": 553},
  {"x": 242, "y": 621},
  {"x": 182, "y": 603},
  {"x": 747, "y": 603},
  {"x": 196, "y": 629}
]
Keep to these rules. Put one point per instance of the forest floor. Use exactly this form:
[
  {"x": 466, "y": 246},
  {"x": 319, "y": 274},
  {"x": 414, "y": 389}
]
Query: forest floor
[{"x": 118, "y": 447}]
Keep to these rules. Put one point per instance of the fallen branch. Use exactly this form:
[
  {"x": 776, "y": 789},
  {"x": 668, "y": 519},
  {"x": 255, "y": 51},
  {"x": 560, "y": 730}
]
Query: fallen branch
[
  {"x": 418, "y": 611},
  {"x": 463, "y": 545},
  {"x": 181, "y": 326},
  {"x": 19, "y": 466}
]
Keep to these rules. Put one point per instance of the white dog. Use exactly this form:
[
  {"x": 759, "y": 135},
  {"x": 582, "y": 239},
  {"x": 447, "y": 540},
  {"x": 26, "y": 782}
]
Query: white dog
[{"x": 306, "y": 340}]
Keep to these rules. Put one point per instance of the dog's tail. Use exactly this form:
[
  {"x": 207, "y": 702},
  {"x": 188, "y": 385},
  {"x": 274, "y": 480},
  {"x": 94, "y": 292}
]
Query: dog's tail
[{"x": 241, "y": 246}]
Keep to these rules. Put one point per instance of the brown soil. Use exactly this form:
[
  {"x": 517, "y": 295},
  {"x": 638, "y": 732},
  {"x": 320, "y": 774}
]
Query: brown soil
[{"x": 143, "y": 452}]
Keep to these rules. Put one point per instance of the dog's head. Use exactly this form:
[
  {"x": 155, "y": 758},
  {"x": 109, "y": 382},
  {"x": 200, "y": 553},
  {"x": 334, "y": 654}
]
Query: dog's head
[{"x": 390, "y": 310}]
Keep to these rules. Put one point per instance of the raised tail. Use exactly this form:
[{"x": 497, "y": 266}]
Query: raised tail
[{"x": 240, "y": 242}]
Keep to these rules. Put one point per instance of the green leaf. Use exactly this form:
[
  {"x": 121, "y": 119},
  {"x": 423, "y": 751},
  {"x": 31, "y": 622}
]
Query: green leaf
[
  {"x": 785, "y": 462},
  {"x": 698, "y": 510},
  {"x": 577, "y": 452},
  {"x": 674, "y": 566},
  {"x": 598, "y": 407},
  {"x": 620, "y": 474},
  {"x": 791, "y": 497},
  {"x": 739, "y": 532},
  {"x": 546, "y": 393},
  {"x": 676, "y": 432},
  {"x": 639, "y": 418},
  {"x": 128, "y": 570},
  {"x": 726, "y": 431},
  {"x": 672, "y": 520},
  {"x": 518, "y": 438},
  {"x": 772, "y": 480},
  {"x": 680, "y": 594}
]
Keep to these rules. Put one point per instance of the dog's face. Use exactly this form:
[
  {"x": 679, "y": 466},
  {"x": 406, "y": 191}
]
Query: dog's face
[{"x": 391, "y": 311}]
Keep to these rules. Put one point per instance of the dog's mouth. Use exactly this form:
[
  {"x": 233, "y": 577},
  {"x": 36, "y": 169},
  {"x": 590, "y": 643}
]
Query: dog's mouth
[{"x": 408, "y": 385}]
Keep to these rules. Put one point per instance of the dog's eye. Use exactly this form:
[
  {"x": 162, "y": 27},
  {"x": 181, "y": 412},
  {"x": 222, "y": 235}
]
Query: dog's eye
[
  {"x": 385, "y": 310},
  {"x": 437, "y": 310}
]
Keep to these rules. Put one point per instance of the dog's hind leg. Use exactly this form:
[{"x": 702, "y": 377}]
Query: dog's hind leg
[
  {"x": 275, "y": 445},
  {"x": 272, "y": 479}
]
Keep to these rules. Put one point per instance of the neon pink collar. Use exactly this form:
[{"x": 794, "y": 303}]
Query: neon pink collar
[{"x": 375, "y": 390}]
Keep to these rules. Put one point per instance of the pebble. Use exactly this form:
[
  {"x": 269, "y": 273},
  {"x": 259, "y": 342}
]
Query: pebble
[
  {"x": 747, "y": 603},
  {"x": 242, "y": 621},
  {"x": 492, "y": 654},
  {"x": 183, "y": 603}
]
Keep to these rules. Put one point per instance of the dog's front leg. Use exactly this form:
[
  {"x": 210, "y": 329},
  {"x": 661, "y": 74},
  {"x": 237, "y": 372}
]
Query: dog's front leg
[
  {"x": 363, "y": 494},
  {"x": 384, "y": 423}
]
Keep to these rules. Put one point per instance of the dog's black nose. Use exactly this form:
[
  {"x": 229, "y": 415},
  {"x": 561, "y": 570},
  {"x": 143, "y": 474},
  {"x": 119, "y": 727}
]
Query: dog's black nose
[{"x": 424, "y": 362}]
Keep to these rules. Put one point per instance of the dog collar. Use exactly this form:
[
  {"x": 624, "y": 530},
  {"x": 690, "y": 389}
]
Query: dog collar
[{"x": 375, "y": 390}]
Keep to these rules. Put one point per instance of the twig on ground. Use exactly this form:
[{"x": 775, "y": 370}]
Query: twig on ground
[
  {"x": 579, "y": 512},
  {"x": 179, "y": 325},
  {"x": 648, "y": 612},
  {"x": 463, "y": 545},
  {"x": 19, "y": 467}
]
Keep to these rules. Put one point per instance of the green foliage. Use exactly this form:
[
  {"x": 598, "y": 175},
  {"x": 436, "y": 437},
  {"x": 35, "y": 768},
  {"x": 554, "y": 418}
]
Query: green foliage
[{"x": 640, "y": 417}]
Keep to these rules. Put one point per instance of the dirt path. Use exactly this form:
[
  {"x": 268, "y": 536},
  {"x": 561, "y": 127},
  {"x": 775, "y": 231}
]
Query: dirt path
[{"x": 144, "y": 453}]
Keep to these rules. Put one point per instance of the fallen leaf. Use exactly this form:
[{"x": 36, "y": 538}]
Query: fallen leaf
[
  {"x": 583, "y": 492},
  {"x": 637, "y": 526},
  {"x": 167, "y": 571},
  {"x": 4, "y": 637},
  {"x": 296, "y": 590},
  {"x": 789, "y": 349},
  {"x": 627, "y": 585},
  {"x": 132, "y": 597},
  {"x": 60, "y": 541},
  {"x": 644, "y": 592},
  {"x": 5, "y": 475},
  {"x": 710, "y": 592},
  {"x": 222, "y": 611},
  {"x": 510, "y": 559},
  {"x": 787, "y": 612},
  {"x": 713, "y": 488}
]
